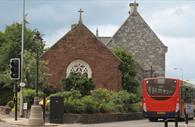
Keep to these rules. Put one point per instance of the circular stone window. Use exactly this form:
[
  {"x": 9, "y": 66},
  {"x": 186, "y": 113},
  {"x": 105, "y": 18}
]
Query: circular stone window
[{"x": 79, "y": 66}]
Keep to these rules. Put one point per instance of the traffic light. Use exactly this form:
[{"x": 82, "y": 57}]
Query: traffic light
[{"x": 15, "y": 68}]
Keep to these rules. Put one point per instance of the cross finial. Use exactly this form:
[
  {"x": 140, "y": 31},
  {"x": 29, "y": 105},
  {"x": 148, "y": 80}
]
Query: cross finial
[
  {"x": 80, "y": 18},
  {"x": 133, "y": 7}
]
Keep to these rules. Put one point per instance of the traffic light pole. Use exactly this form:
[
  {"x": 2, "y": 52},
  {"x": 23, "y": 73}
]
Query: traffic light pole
[
  {"x": 15, "y": 100},
  {"x": 15, "y": 76}
]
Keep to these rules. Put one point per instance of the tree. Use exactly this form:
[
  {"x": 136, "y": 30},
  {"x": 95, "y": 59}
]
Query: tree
[
  {"x": 78, "y": 81},
  {"x": 10, "y": 47},
  {"x": 30, "y": 70},
  {"x": 127, "y": 68}
]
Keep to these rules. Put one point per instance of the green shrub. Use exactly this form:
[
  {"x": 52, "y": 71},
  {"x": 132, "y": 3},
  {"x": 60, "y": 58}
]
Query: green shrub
[
  {"x": 123, "y": 100},
  {"x": 102, "y": 95},
  {"x": 90, "y": 105},
  {"x": 29, "y": 94},
  {"x": 100, "y": 100},
  {"x": 48, "y": 90},
  {"x": 72, "y": 94},
  {"x": 107, "y": 107},
  {"x": 73, "y": 106},
  {"x": 136, "y": 107},
  {"x": 6, "y": 95},
  {"x": 127, "y": 68},
  {"x": 10, "y": 104},
  {"x": 78, "y": 81}
]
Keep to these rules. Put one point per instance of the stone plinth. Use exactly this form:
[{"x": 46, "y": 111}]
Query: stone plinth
[{"x": 36, "y": 116}]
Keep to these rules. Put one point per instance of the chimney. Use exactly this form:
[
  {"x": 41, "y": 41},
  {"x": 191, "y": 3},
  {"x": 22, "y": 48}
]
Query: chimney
[{"x": 73, "y": 26}]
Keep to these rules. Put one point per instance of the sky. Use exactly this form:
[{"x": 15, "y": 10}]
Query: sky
[{"x": 173, "y": 21}]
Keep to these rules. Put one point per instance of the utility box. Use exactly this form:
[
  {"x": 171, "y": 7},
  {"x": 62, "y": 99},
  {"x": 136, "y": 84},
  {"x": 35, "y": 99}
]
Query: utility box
[{"x": 56, "y": 109}]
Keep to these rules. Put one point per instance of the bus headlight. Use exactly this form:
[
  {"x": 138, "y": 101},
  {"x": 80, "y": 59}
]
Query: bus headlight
[
  {"x": 144, "y": 107},
  {"x": 177, "y": 107}
]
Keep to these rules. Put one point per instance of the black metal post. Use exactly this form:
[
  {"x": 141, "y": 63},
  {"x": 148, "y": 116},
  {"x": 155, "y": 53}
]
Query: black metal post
[
  {"x": 151, "y": 72},
  {"x": 186, "y": 120},
  {"x": 166, "y": 122},
  {"x": 44, "y": 107},
  {"x": 176, "y": 121},
  {"x": 37, "y": 38},
  {"x": 37, "y": 78},
  {"x": 15, "y": 100}
]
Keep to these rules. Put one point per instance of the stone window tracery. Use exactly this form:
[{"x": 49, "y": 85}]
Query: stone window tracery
[{"x": 79, "y": 66}]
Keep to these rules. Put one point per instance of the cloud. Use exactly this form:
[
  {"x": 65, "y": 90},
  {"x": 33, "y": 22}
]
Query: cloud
[
  {"x": 172, "y": 20},
  {"x": 176, "y": 21},
  {"x": 104, "y": 30},
  {"x": 180, "y": 55},
  {"x": 51, "y": 39}
]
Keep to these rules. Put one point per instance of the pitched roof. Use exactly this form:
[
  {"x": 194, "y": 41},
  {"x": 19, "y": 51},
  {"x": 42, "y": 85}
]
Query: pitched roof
[
  {"x": 78, "y": 27},
  {"x": 104, "y": 40},
  {"x": 136, "y": 36}
]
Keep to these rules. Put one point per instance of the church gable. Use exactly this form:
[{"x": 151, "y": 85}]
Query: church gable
[
  {"x": 80, "y": 50},
  {"x": 139, "y": 39}
]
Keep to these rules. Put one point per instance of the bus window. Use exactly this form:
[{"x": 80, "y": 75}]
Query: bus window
[
  {"x": 161, "y": 87},
  {"x": 187, "y": 94}
]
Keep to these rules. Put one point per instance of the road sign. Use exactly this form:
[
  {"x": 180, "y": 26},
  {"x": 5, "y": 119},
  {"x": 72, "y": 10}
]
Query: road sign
[{"x": 22, "y": 84}]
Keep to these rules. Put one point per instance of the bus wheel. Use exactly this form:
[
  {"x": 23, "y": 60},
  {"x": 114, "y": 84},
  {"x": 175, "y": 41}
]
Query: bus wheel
[{"x": 153, "y": 119}]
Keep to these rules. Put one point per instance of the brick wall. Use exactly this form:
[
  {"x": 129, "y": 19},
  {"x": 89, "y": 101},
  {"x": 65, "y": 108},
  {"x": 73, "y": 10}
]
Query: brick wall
[{"x": 81, "y": 44}]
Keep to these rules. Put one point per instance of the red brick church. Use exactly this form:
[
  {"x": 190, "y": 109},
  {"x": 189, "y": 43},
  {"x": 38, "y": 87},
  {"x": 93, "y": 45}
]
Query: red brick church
[{"x": 80, "y": 50}]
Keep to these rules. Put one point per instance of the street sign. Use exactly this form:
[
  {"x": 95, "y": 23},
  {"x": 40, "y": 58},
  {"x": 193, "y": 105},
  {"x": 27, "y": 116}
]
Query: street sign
[
  {"x": 22, "y": 84},
  {"x": 25, "y": 107}
]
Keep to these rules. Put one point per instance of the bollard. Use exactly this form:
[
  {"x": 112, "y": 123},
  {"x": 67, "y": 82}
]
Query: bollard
[
  {"x": 176, "y": 121},
  {"x": 186, "y": 120},
  {"x": 166, "y": 122}
]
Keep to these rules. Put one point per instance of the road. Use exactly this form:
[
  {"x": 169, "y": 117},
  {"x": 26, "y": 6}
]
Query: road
[{"x": 135, "y": 123}]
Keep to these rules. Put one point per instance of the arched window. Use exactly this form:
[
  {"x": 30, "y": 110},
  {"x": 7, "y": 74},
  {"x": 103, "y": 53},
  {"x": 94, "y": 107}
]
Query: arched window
[{"x": 79, "y": 66}]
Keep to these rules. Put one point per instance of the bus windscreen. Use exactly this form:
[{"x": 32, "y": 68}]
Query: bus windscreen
[{"x": 161, "y": 87}]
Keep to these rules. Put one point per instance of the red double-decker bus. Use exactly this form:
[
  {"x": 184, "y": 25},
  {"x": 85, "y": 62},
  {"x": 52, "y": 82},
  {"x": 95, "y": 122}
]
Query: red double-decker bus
[{"x": 167, "y": 98}]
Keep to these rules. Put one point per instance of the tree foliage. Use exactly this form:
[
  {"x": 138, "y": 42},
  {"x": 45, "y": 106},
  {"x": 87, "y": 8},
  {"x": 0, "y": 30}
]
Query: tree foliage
[
  {"x": 10, "y": 47},
  {"x": 30, "y": 69},
  {"x": 100, "y": 100},
  {"x": 78, "y": 81},
  {"x": 128, "y": 70}
]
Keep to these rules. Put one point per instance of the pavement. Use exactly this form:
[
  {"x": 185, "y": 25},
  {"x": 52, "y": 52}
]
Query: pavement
[
  {"x": 21, "y": 121},
  {"x": 8, "y": 121}
]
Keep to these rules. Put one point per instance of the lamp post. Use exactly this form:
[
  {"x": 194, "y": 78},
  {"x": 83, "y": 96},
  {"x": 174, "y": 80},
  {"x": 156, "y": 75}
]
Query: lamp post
[
  {"x": 180, "y": 69},
  {"x": 37, "y": 38},
  {"x": 22, "y": 60},
  {"x": 36, "y": 115}
]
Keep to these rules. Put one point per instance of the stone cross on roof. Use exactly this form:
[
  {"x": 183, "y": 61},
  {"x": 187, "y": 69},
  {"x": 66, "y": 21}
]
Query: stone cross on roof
[
  {"x": 133, "y": 7},
  {"x": 80, "y": 18}
]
